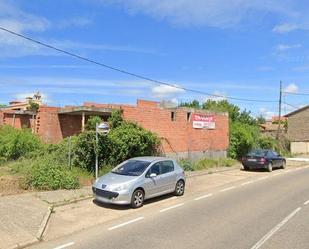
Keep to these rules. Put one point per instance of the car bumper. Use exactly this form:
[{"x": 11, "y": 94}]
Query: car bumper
[
  {"x": 255, "y": 166},
  {"x": 119, "y": 198}
]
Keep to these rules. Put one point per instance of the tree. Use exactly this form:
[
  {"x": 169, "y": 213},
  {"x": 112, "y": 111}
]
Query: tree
[
  {"x": 115, "y": 119},
  {"x": 34, "y": 107},
  {"x": 3, "y": 106},
  {"x": 194, "y": 104},
  {"x": 235, "y": 114},
  {"x": 92, "y": 122}
]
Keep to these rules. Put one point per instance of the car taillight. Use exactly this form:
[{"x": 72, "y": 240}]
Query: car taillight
[
  {"x": 263, "y": 160},
  {"x": 243, "y": 159}
]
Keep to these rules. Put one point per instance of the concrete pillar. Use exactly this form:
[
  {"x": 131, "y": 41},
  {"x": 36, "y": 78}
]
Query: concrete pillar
[
  {"x": 83, "y": 121},
  {"x": 14, "y": 116}
]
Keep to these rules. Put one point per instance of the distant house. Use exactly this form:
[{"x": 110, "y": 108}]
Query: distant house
[
  {"x": 298, "y": 130},
  {"x": 270, "y": 127}
]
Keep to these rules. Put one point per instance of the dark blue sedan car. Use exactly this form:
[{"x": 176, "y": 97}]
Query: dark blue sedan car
[{"x": 263, "y": 159}]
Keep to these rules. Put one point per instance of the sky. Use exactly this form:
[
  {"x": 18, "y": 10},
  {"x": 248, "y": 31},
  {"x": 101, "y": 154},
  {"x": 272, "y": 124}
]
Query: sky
[{"x": 231, "y": 48}]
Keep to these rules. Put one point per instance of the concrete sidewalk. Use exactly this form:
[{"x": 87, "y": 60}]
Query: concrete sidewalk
[{"x": 23, "y": 217}]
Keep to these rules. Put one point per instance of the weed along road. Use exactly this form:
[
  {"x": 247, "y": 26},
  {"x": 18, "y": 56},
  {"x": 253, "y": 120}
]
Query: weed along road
[{"x": 270, "y": 210}]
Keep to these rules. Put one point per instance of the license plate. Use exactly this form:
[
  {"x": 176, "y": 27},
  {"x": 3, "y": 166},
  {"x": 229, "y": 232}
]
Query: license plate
[{"x": 252, "y": 160}]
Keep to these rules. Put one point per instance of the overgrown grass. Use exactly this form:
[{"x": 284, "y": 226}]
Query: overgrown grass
[
  {"x": 46, "y": 173},
  {"x": 206, "y": 163}
]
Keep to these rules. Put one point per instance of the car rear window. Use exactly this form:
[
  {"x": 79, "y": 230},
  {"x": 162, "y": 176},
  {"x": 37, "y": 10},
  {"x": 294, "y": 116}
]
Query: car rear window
[{"x": 257, "y": 153}]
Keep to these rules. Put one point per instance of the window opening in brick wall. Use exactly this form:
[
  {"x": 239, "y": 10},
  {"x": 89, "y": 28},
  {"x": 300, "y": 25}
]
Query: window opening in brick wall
[
  {"x": 188, "y": 116},
  {"x": 173, "y": 116}
]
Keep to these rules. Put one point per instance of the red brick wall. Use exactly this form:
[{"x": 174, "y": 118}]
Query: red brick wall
[
  {"x": 179, "y": 135},
  {"x": 70, "y": 125},
  {"x": 1, "y": 117},
  {"x": 21, "y": 121},
  {"x": 48, "y": 124}
]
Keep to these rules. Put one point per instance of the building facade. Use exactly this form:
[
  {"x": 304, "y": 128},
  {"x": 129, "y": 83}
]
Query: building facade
[
  {"x": 184, "y": 132},
  {"x": 298, "y": 130}
]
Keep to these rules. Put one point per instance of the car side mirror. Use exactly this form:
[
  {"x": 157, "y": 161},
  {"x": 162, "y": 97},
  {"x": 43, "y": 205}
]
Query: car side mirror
[{"x": 153, "y": 175}]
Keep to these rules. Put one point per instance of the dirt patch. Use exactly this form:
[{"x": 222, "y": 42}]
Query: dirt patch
[{"x": 9, "y": 185}]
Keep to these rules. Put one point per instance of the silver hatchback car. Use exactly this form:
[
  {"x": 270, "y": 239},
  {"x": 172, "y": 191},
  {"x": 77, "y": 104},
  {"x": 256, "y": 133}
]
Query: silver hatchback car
[{"x": 138, "y": 179}]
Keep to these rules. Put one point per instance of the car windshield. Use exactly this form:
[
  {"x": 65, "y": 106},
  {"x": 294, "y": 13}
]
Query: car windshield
[
  {"x": 257, "y": 153},
  {"x": 131, "y": 168}
]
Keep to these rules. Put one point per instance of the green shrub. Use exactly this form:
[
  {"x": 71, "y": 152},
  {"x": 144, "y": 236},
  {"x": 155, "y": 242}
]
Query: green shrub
[
  {"x": 48, "y": 174},
  {"x": 186, "y": 164},
  {"x": 115, "y": 119},
  {"x": 226, "y": 162},
  {"x": 126, "y": 141},
  {"x": 205, "y": 163},
  {"x": 129, "y": 140},
  {"x": 243, "y": 138},
  {"x": 92, "y": 122},
  {"x": 17, "y": 143}
]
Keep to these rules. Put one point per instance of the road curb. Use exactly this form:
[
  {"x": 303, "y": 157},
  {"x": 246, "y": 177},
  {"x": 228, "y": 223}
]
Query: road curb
[
  {"x": 71, "y": 201},
  {"x": 24, "y": 244},
  {"x": 44, "y": 224}
]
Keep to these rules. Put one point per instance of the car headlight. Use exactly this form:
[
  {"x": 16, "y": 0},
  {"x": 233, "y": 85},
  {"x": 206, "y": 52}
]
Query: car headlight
[{"x": 119, "y": 187}]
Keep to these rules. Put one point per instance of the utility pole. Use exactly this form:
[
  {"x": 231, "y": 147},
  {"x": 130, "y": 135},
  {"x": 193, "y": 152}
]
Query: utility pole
[{"x": 280, "y": 104}]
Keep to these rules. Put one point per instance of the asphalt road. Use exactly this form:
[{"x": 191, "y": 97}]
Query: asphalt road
[{"x": 271, "y": 211}]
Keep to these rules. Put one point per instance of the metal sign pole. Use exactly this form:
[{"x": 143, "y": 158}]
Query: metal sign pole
[{"x": 96, "y": 152}]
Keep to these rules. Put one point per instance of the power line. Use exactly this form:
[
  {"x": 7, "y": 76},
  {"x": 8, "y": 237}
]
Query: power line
[
  {"x": 157, "y": 82},
  {"x": 301, "y": 94},
  {"x": 293, "y": 106}
]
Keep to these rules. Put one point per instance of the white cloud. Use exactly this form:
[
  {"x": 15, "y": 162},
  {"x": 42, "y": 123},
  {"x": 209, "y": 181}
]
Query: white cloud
[
  {"x": 291, "y": 88},
  {"x": 286, "y": 28},
  {"x": 163, "y": 91},
  {"x": 15, "y": 19},
  {"x": 285, "y": 47},
  {"x": 214, "y": 13}
]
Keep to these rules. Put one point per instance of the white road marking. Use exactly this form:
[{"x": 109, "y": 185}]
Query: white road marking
[
  {"x": 275, "y": 229},
  {"x": 125, "y": 223},
  {"x": 306, "y": 202},
  {"x": 169, "y": 208},
  {"x": 203, "y": 197},
  {"x": 65, "y": 245},
  {"x": 227, "y": 189},
  {"x": 246, "y": 183}
]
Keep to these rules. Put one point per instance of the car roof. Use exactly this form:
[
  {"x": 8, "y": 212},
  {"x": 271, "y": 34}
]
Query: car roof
[{"x": 150, "y": 158}]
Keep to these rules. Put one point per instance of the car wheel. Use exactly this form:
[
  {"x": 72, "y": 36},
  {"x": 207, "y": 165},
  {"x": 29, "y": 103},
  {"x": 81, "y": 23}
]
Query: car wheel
[
  {"x": 180, "y": 188},
  {"x": 270, "y": 167},
  {"x": 283, "y": 165},
  {"x": 246, "y": 168},
  {"x": 137, "y": 199}
]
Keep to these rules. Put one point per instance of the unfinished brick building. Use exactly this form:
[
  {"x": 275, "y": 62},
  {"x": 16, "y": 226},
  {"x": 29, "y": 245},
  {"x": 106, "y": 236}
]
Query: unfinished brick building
[{"x": 181, "y": 130}]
